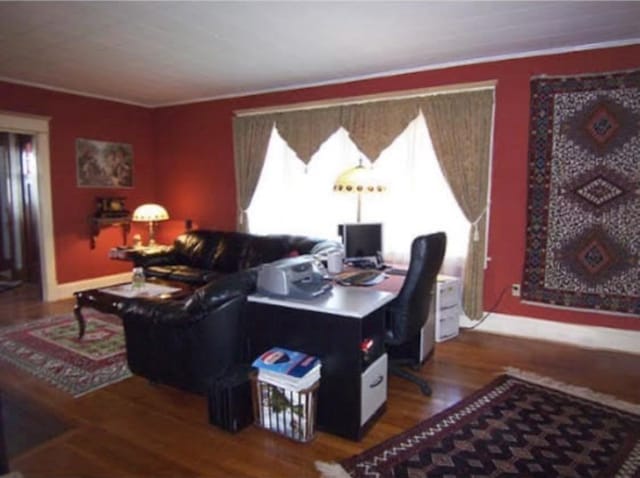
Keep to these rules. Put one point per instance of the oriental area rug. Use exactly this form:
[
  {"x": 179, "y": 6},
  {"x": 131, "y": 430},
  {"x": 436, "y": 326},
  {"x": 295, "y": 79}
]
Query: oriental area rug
[
  {"x": 582, "y": 243},
  {"x": 521, "y": 424},
  {"x": 50, "y": 349}
]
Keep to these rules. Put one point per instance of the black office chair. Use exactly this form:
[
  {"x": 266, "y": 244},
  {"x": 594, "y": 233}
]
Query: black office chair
[{"x": 407, "y": 313}]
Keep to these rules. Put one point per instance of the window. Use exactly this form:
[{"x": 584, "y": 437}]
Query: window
[{"x": 295, "y": 198}]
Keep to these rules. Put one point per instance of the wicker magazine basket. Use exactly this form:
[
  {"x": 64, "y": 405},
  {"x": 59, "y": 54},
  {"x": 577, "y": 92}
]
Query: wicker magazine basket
[{"x": 285, "y": 411}]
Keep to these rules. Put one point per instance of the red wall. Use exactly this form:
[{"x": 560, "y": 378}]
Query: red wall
[
  {"x": 184, "y": 160},
  {"x": 195, "y": 157},
  {"x": 74, "y": 117}
]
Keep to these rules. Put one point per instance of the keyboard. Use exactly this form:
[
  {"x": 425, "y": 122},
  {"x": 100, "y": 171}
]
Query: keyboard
[{"x": 367, "y": 277}]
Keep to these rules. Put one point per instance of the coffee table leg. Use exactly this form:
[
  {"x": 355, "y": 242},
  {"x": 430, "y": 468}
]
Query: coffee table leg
[{"x": 81, "y": 322}]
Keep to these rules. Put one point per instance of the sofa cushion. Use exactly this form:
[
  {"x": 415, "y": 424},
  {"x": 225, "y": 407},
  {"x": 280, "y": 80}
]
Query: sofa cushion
[
  {"x": 197, "y": 248},
  {"x": 229, "y": 251},
  {"x": 304, "y": 244},
  {"x": 264, "y": 249},
  {"x": 159, "y": 271},
  {"x": 192, "y": 275}
]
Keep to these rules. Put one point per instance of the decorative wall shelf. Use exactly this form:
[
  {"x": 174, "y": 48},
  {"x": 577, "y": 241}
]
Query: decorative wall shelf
[{"x": 99, "y": 223}]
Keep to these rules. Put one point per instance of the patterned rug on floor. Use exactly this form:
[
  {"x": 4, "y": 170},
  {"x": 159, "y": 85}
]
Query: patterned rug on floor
[
  {"x": 51, "y": 350},
  {"x": 521, "y": 424}
]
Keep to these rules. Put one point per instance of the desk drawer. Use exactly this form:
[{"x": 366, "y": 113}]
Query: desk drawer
[
  {"x": 373, "y": 391},
  {"x": 448, "y": 294}
]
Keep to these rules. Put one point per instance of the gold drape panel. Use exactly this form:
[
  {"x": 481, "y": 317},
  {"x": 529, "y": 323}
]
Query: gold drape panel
[
  {"x": 305, "y": 130},
  {"x": 250, "y": 140},
  {"x": 374, "y": 126},
  {"x": 460, "y": 126}
]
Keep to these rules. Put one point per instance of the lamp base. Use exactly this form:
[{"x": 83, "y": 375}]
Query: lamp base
[{"x": 152, "y": 233}]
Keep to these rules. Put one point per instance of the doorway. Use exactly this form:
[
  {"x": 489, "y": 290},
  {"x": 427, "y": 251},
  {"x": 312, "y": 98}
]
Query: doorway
[
  {"x": 19, "y": 242},
  {"x": 38, "y": 128}
]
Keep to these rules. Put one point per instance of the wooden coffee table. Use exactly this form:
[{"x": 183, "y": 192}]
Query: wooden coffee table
[{"x": 106, "y": 300}]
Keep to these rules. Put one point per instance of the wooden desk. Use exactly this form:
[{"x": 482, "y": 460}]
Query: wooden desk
[
  {"x": 333, "y": 327},
  {"x": 353, "y": 384}
]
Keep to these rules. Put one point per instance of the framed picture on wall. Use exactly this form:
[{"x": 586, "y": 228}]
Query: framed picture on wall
[{"x": 100, "y": 164}]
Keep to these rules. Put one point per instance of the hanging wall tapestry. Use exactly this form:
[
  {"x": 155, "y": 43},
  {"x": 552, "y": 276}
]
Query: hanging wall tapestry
[{"x": 583, "y": 225}]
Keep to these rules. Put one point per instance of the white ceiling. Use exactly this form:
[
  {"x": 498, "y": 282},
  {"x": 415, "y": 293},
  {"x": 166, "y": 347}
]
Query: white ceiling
[{"x": 159, "y": 53}]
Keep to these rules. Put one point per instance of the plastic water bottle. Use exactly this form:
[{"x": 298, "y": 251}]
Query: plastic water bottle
[{"x": 137, "y": 279}]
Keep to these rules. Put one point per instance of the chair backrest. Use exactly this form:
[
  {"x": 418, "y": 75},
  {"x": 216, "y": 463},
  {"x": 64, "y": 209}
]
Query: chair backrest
[{"x": 408, "y": 312}]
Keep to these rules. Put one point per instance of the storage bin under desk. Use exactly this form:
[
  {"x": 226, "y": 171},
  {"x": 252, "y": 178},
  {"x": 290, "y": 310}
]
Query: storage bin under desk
[{"x": 353, "y": 385}]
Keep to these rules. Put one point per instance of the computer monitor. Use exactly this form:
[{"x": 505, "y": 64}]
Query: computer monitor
[{"x": 361, "y": 241}]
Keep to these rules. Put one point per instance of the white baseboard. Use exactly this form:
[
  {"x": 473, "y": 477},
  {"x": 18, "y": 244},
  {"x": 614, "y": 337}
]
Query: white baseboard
[
  {"x": 581, "y": 335},
  {"x": 66, "y": 290}
]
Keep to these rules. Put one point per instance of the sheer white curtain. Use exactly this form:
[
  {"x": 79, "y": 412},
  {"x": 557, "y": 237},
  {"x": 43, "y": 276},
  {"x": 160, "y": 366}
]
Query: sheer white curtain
[
  {"x": 294, "y": 199},
  {"x": 418, "y": 199}
]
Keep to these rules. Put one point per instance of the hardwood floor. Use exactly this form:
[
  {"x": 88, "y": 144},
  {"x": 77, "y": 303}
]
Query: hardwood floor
[{"x": 135, "y": 429}]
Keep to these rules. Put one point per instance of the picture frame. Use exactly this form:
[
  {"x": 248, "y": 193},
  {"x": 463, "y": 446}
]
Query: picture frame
[{"x": 103, "y": 164}]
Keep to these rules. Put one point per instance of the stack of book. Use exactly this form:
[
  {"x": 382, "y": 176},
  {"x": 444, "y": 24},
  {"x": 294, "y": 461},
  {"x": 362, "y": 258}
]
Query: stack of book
[{"x": 288, "y": 368}]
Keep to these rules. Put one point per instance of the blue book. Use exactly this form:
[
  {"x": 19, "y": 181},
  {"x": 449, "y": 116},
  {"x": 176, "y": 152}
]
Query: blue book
[{"x": 286, "y": 362}]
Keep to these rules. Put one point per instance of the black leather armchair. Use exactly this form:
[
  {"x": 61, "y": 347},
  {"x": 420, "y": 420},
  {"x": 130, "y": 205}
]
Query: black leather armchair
[
  {"x": 188, "y": 344},
  {"x": 408, "y": 312}
]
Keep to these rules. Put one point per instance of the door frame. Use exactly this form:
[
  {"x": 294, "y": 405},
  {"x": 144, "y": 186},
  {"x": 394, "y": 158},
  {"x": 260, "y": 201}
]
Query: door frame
[{"x": 38, "y": 126}]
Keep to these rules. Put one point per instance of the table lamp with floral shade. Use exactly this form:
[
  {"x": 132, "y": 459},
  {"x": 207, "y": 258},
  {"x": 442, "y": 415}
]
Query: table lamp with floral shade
[{"x": 152, "y": 214}]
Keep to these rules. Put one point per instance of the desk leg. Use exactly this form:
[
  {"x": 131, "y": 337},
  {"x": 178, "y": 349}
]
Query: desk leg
[{"x": 81, "y": 322}]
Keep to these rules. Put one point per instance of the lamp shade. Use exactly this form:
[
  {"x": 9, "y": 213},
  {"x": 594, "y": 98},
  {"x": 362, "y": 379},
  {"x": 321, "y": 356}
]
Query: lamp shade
[
  {"x": 358, "y": 180},
  {"x": 150, "y": 213}
]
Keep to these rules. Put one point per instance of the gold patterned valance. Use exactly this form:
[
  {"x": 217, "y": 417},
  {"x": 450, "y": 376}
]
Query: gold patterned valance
[
  {"x": 372, "y": 126},
  {"x": 305, "y": 130}
]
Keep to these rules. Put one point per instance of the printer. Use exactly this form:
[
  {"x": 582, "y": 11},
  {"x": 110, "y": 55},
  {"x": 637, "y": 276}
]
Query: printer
[{"x": 298, "y": 277}]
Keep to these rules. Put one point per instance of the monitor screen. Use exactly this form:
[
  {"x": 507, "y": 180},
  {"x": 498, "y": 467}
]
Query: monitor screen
[{"x": 361, "y": 240}]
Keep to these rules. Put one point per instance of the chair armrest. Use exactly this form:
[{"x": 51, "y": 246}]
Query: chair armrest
[
  {"x": 183, "y": 312},
  {"x": 222, "y": 290},
  {"x": 154, "y": 311}
]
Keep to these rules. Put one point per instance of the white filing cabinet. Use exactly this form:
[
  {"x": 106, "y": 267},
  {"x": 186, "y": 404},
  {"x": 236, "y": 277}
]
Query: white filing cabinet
[
  {"x": 446, "y": 307},
  {"x": 443, "y": 321}
]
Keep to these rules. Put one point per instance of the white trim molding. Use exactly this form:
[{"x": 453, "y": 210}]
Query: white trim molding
[{"x": 589, "y": 336}]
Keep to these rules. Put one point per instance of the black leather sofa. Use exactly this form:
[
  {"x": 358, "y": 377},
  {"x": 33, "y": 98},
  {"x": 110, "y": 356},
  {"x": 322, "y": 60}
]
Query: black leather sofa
[
  {"x": 192, "y": 342},
  {"x": 201, "y": 256}
]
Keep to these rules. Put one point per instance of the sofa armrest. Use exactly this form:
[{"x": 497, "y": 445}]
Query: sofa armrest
[{"x": 158, "y": 256}]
